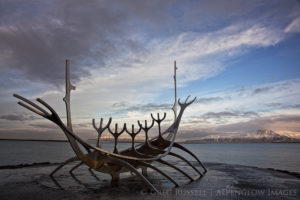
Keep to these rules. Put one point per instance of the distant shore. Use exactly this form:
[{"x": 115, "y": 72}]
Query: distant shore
[
  {"x": 128, "y": 141},
  {"x": 33, "y": 140}
]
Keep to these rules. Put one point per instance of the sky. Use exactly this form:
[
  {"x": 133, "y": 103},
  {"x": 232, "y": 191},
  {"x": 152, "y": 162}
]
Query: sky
[{"x": 239, "y": 58}]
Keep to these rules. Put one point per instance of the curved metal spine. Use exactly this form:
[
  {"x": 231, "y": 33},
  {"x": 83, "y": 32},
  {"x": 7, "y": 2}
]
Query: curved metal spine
[
  {"x": 73, "y": 168},
  {"x": 63, "y": 164},
  {"x": 179, "y": 146},
  {"x": 186, "y": 161},
  {"x": 159, "y": 171},
  {"x": 174, "y": 167}
]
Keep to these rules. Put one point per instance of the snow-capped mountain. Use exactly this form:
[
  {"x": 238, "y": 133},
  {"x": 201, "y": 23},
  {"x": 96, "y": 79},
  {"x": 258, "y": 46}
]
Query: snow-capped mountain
[
  {"x": 271, "y": 136},
  {"x": 259, "y": 136}
]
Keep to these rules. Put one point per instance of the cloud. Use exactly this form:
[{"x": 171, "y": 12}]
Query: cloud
[
  {"x": 283, "y": 105},
  {"x": 199, "y": 56},
  {"x": 283, "y": 124},
  {"x": 276, "y": 122},
  {"x": 37, "y": 37},
  {"x": 225, "y": 114},
  {"x": 119, "y": 104},
  {"x": 294, "y": 26},
  {"x": 208, "y": 99},
  {"x": 220, "y": 118},
  {"x": 82, "y": 125},
  {"x": 17, "y": 117},
  {"x": 13, "y": 117},
  {"x": 30, "y": 133},
  {"x": 274, "y": 105},
  {"x": 150, "y": 107},
  {"x": 290, "y": 118},
  {"x": 243, "y": 112},
  {"x": 273, "y": 88},
  {"x": 122, "y": 54},
  {"x": 261, "y": 90},
  {"x": 44, "y": 126},
  {"x": 120, "y": 41}
]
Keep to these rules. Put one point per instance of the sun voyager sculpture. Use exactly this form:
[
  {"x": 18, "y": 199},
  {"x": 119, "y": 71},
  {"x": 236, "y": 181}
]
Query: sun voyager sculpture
[{"x": 138, "y": 156}]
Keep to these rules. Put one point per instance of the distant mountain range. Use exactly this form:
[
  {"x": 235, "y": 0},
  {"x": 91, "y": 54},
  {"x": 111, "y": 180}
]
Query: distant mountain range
[{"x": 261, "y": 136}]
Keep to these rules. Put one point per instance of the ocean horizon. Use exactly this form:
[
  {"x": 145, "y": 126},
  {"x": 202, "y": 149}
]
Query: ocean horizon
[{"x": 281, "y": 156}]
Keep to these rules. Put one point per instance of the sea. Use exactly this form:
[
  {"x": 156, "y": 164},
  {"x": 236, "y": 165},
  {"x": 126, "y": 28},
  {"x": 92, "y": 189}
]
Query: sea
[{"x": 282, "y": 156}]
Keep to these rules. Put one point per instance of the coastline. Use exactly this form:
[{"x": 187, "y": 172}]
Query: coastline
[
  {"x": 222, "y": 181},
  {"x": 181, "y": 142},
  {"x": 264, "y": 155},
  {"x": 40, "y": 164},
  {"x": 33, "y": 140},
  {"x": 45, "y": 164}
]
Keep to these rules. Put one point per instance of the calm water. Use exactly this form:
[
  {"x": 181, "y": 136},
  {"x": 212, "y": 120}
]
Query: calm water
[{"x": 285, "y": 156}]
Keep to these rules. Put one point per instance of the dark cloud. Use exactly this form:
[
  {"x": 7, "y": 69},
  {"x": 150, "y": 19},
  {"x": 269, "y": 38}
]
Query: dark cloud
[
  {"x": 13, "y": 117},
  {"x": 210, "y": 115},
  {"x": 193, "y": 134},
  {"x": 23, "y": 133},
  {"x": 37, "y": 36},
  {"x": 17, "y": 117},
  {"x": 83, "y": 125},
  {"x": 261, "y": 90},
  {"x": 119, "y": 104},
  {"x": 272, "y": 88},
  {"x": 209, "y": 99},
  {"x": 296, "y": 106},
  {"x": 220, "y": 118},
  {"x": 225, "y": 114},
  {"x": 290, "y": 118},
  {"x": 152, "y": 106},
  {"x": 214, "y": 14},
  {"x": 197, "y": 120},
  {"x": 283, "y": 105},
  {"x": 44, "y": 125},
  {"x": 274, "y": 105}
]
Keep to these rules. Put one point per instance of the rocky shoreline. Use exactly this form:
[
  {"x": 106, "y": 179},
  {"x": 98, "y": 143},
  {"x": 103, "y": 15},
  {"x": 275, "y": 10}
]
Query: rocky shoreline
[
  {"x": 222, "y": 181},
  {"x": 27, "y": 165}
]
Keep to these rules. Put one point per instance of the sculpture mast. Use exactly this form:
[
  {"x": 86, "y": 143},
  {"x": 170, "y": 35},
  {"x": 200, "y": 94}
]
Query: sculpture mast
[
  {"x": 174, "y": 108},
  {"x": 66, "y": 99}
]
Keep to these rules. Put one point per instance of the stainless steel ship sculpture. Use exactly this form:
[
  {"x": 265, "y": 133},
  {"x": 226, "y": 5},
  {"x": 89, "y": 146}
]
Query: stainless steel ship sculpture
[{"x": 136, "y": 157}]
